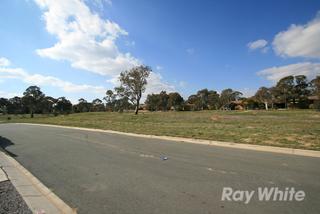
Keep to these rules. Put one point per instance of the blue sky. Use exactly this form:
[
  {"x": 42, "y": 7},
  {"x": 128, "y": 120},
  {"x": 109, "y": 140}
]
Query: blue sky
[{"x": 77, "y": 48}]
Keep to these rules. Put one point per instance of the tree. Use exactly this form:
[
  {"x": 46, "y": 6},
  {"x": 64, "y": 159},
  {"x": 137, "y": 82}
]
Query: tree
[
  {"x": 153, "y": 102},
  {"x": 213, "y": 100},
  {"x": 273, "y": 91},
  {"x": 227, "y": 96},
  {"x": 16, "y": 106},
  {"x": 134, "y": 83},
  {"x": 83, "y": 106},
  {"x": 110, "y": 100},
  {"x": 251, "y": 103},
  {"x": 315, "y": 83},
  {"x": 47, "y": 104},
  {"x": 204, "y": 97},
  {"x": 97, "y": 105},
  {"x": 195, "y": 102},
  {"x": 4, "y": 103},
  {"x": 285, "y": 88},
  {"x": 176, "y": 101},
  {"x": 32, "y": 97},
  {"x": 164, "y": 100},
  {"x": 121, "y": 99},
  {"x": 263, "y": 95},
  {"x": 301, "y": 91},
  {"x": 62, "y": 105}
]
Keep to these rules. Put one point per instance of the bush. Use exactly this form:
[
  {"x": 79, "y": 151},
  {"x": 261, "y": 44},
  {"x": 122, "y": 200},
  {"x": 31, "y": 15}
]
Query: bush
[
  {"x": 187, "y": 107},
  {"x": 316, "y": 105}
]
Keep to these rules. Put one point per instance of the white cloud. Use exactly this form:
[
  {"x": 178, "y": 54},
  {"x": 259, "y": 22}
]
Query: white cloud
[
  {"x": 159, "y": 67},
  {"x": 8, "y": 95},
  {"x": 41, "y": 80},
  {"x": 247, "y": 92},
  {"x": 130, "y": 43},
  {"x": 299, "y": 40},
  {"x": 258, "y": 44},
  {"x": 84, "y": 39},
  {"x": 114, "y": 81},
  {"x": 4, "y": 62},
  {"x": 155, "y": 84},
  {"x": 182, "y": 84},
  {"x": 89, "y": 42},
  {"x": 308, "y": 69}
]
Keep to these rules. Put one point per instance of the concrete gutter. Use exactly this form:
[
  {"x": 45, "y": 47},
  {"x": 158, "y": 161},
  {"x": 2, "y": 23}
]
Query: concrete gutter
[
  {"x": 301, "y": 152},
  {"x": 38, "y": 197}
]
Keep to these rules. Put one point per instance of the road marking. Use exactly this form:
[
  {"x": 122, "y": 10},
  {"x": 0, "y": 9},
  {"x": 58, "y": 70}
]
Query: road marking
[
  {"x": 146, "y": 156},
  {"x": 220, "y": 171}
]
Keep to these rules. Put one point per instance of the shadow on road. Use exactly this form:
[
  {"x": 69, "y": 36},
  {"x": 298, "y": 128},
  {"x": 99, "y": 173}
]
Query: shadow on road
[{"x": 4, "y": 143}]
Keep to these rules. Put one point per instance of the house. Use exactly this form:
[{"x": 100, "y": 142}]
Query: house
[{"x": 314, "y": 100}]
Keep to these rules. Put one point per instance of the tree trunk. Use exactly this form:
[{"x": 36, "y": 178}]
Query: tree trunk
[
  {"x": 266, "y": 105},
  {"x": 137, "y": 106},
  {"x": 285, "y": 101},
  {"x": 31, "y": 115}
]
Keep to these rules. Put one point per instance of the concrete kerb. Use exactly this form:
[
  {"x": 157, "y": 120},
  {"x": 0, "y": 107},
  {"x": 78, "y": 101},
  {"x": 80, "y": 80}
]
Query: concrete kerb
[
  {"x": 301, "y": 152},
  {"x": 37, "y": 196}
]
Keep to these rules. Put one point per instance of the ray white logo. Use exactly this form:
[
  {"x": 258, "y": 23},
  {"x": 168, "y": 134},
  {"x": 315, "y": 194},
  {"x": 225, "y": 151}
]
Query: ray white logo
[{"x": 263, "y": 194}]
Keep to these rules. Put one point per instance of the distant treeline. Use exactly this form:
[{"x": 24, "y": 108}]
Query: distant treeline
[{"x": 289, "y": 92}]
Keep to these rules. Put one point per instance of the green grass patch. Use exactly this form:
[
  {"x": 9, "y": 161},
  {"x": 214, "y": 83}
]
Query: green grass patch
[{"x": 292, "y": 128}]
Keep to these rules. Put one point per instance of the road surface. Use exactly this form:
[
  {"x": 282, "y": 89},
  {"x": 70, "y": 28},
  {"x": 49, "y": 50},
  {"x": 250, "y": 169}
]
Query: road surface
[{"x": 110, "y": 173}]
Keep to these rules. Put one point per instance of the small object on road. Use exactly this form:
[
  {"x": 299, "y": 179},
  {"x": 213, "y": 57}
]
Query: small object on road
[{"x": 163, "y": 157}]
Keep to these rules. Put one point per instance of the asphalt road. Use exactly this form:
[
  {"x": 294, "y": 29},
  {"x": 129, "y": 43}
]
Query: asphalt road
[{"x": 111, "y": 173}]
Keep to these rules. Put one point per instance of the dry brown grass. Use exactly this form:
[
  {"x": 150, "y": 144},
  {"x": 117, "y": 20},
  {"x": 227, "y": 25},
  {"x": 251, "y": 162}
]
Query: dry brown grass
[{"x": 293, "y": 129}]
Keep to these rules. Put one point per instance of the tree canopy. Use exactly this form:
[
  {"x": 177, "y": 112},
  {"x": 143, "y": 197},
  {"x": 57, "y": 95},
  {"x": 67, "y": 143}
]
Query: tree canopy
[
  {"x": 288, "y": 92},
  {"x": 134, "y": 83}
]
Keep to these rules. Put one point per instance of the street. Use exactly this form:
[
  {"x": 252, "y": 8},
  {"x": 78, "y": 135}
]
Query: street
[{"x": 98, "y": 172}]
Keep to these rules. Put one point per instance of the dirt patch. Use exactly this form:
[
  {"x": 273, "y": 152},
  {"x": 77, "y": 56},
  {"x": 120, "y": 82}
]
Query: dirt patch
[
  {"x": 315, "y": 116},
  {"x": 249, "y": 127},
  {"x": 224, "y": 117},
  {"x": 247, "y": 140},
  {"x": 216, "y": 117},
  {"x": 291, "y": 138}
]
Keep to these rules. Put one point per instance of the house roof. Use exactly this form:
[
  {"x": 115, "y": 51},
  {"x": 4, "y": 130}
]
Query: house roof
[{"x": 313, "y": 98}]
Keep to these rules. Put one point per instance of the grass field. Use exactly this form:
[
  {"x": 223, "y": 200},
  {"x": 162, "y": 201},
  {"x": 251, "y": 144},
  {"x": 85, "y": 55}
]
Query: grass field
[{"x": 294, "y": 129}]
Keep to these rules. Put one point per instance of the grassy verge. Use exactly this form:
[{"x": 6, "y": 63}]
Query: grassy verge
[{"x": 293, "y": 129}]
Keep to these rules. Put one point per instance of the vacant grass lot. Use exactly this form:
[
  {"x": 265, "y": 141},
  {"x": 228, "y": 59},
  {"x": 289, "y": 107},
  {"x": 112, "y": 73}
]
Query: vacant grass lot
[{"x": 294, "y": 129}]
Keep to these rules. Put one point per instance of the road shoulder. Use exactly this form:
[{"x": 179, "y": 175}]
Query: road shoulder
[{"x": 38, "y": 197}]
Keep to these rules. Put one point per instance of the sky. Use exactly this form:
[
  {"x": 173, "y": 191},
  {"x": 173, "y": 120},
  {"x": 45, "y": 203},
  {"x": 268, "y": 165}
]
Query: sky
[{"x": 77, "y": 48}]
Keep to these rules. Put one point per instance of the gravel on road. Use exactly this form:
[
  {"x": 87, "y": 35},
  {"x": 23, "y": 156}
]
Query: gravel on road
[{"x": 11, "y": 201}]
